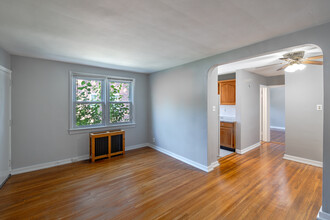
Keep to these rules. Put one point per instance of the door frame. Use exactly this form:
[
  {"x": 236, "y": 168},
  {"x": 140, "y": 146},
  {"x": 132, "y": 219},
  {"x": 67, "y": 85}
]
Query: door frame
[
  {"x": 9, "y": 72},
  {"x": 264, "y": 113}
]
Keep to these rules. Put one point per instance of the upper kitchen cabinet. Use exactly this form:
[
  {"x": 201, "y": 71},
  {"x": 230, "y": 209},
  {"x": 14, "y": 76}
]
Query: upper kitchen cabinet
[{"x": 227, "y": 92}]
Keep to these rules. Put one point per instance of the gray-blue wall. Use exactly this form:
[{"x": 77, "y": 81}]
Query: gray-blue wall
[
  {"x": 303, "y": 122},
  {"x": 275, "y": 80},
  {"x": 4, "y": 116},
  {"x": 277, "y": 107},
  {"x": 40, "y": 111},
  {"x": 227, "y": 76},
  {"x": 248, "y": 108},
  {"x": 5, "y": 59},
  {"x": 177, "y": 114}
]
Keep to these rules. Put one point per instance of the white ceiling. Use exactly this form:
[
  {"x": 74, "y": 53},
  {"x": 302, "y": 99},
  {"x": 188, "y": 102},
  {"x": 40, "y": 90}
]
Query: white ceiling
[
  {"x": 147, "y": 35},
  {"x": 268, "y": 64}
]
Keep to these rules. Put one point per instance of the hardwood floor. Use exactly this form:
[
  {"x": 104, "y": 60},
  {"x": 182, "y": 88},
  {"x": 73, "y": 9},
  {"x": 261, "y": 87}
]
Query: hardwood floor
[
  {"x": 277, "y": 136},
  {"x": 146, "y": 184}
]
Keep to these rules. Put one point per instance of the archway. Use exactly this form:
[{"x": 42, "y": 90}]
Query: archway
[{"x": 212, "y": 100}]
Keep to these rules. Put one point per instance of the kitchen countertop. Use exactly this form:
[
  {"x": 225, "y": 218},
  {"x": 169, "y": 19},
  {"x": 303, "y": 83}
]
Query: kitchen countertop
[{"x": 227, "y": 119}]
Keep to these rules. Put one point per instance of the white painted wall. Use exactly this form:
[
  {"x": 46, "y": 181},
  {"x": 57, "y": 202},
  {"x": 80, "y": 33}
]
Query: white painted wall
[
  {"x": 277, "y": 107},
  {"x": 40, "y": 109},
  {"x": 4, "y": 125}
]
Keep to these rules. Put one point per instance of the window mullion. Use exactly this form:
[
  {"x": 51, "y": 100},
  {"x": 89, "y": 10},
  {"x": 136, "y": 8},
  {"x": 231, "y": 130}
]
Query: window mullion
[
  {"x": 106, "y": 102},
  {"x": 130, "y": 112}
]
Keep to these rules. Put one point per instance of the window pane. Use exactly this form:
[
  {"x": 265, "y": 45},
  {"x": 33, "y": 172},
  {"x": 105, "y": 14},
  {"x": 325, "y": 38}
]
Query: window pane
[
  {"x": 88, "y": 114},
  {"x": 119, "y": 112},
  {"x": 119, "y": 91},
  {"x": 88, "y": 90}
]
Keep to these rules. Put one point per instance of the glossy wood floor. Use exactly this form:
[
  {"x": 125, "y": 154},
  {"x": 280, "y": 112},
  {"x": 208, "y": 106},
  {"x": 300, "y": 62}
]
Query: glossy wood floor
[
  {"x": 277, "y": 136},
  {"x": 146, "y": 184}
]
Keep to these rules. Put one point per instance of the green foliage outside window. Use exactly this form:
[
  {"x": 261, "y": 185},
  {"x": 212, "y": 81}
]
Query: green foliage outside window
[
  {"x": 119, "y": 92},
  {"x": 91, "y": 114},
  {"x": 88, "y": 114}
]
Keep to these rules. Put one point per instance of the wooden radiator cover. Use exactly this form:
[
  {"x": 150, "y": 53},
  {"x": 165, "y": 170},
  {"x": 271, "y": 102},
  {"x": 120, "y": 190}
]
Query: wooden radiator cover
[{"x": 106, "y": 144}]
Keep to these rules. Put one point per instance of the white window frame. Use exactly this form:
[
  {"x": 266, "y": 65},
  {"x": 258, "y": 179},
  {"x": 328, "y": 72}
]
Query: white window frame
[{"x": 105, "y": 79}]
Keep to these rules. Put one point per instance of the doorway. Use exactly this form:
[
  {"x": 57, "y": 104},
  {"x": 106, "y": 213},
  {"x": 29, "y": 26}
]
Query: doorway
[
  {"x": 227, "y": 113},
  {"x": 277, "y": 114},
  {"x": 272, "y": 114},
  {"x": 303, "y": 108}
]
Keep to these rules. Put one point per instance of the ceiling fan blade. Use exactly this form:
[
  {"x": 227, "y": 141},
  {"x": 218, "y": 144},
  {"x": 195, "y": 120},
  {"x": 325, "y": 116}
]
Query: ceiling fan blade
[
  {"x": 315, "y": 57},
  {"x": 313, "y": 62},
  {"x": 283, "y": 67}
]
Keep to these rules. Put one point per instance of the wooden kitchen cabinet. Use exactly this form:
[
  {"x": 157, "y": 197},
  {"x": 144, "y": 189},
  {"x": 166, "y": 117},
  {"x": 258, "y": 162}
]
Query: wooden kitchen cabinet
[
  {"x": 227, "y": 134},
  {"x": 227, "y": 92}
]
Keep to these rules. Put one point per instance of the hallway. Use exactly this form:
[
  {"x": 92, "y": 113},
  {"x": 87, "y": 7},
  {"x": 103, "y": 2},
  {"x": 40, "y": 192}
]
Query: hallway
[{"x": 277, "y": 136}]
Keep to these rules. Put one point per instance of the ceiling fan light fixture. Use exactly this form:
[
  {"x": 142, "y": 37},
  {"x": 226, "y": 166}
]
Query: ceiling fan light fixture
[
  {"x": 302, "y": 66},
  {"x": 294, "y": 67}
]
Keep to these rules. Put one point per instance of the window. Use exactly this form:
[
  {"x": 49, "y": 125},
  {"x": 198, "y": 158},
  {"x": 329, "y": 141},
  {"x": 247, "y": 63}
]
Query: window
[
  {"x": 119, "y": 101},
  {"x": 100, "y": 101}
]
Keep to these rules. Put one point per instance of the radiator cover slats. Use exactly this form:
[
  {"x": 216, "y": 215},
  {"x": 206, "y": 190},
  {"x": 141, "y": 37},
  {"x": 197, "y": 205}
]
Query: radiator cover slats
[
  {"x": 116, "y": 143},
  {"x": 101, "y": 146}
]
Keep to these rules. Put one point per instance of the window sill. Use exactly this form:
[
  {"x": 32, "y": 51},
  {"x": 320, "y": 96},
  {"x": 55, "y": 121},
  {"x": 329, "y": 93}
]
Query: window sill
[{"x": 96, "y": 129}]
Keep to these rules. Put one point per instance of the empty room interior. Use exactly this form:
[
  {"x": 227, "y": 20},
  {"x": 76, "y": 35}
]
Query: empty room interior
[{"x": 165, "y": 109}]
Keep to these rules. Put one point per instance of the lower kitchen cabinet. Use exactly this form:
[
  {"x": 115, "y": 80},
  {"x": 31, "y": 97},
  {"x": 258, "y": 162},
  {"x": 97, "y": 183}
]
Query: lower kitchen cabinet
[{"x": 227, "y": 134}]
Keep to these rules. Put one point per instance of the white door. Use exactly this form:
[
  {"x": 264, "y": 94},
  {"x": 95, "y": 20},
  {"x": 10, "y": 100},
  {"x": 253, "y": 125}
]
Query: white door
[{"x": 5, "y": 123}]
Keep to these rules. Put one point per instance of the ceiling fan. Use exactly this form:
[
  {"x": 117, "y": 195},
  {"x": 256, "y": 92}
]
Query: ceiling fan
[{"x": 295, "y": 61}]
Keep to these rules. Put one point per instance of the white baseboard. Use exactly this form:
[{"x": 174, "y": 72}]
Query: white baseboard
[
  {"x": 136, "y": 146},
  {"x": 65, "y": 161},
  {"x": 323, "y": 215},
  {"x": 243, "y": 151},
  {"x": 277, "y": 128},
  {"x": 303, "y": 160},
  {"x": 48, "y": 165},
  {"x": 85, "y": 157},
  {"x": 212, "y": 166},
  {"x": 185, "y": 160},
  {"x": 6, "y": 178}
]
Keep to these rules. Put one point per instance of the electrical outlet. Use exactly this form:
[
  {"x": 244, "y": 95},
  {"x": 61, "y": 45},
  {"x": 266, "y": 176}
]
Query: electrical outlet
[
  {"x": 319, "y": 107},
  {"x": 154, "y": 140}
]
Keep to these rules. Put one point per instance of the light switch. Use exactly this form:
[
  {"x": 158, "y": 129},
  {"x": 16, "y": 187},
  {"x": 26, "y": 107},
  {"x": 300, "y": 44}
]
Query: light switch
[
  {"x": 319, "y": 107},
  {"x": 213, "y": 108}
]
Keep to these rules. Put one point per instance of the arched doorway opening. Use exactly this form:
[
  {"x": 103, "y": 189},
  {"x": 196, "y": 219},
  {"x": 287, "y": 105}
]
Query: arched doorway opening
[{"x": 302, "y": 120}]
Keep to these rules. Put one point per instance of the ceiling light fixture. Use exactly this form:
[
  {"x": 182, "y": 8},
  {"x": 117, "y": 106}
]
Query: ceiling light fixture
[{"x": 294, "y": 67}]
